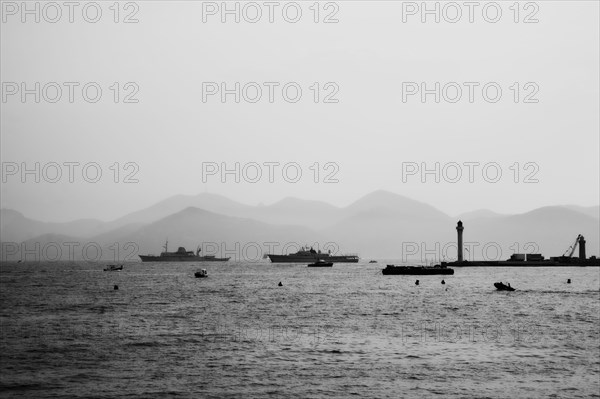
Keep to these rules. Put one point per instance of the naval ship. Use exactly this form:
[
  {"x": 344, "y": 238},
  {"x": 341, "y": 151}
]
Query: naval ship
[
  {"x": 306, "y": 254},
  {"x": 181, "y": 256}
]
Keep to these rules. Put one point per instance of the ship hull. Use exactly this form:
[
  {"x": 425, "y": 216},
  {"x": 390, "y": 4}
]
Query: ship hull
[
  {"x": 150, "y": 258},
  {"x": 416, "y": 271},
  {"x": 312, "y": 258},
  {"x": 321, "y": 264}
]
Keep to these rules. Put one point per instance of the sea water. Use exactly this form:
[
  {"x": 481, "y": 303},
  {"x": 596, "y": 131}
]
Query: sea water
[{"x": 326, "y": 332}]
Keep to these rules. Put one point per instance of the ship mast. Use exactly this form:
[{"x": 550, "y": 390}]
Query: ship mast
[{"x": 166, "y": 245}]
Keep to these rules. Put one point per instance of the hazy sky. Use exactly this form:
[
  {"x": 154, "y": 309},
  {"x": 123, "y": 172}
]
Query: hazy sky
[{"x": 368, "y": 125}]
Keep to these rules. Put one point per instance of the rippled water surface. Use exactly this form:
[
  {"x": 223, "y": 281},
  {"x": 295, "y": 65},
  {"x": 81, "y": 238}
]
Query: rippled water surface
[{"x": 327, "y": 332}]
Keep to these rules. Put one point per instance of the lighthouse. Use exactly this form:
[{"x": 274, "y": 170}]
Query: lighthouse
[
  {"x": 459, "y": 231},
  {"x": 581, "y": 248}
]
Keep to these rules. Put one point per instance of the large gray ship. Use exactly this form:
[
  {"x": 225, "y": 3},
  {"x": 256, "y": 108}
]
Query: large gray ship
[
  {"x": 309, "y": 255},
  {"x": 181, "y": 256}
]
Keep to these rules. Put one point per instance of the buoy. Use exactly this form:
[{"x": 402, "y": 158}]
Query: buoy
[
  {"x": 116, "y": 287},
  {"x": 443, "y": 282},
  {"x": 281, "y": 285},
  {"x": 569, "y": 281},
  {"x": 417, "y": 282}
]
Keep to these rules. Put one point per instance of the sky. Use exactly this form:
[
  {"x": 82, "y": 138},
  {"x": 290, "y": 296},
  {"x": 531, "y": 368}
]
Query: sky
[{"x": 494, "y": 106}]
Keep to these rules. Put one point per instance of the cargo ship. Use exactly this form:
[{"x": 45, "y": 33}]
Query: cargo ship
[
  {"x": 181, "y": 255},
  {"x": 306, "y": 254}
]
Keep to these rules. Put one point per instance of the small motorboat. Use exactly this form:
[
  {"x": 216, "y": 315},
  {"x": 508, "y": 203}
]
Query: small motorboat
[
  {"x": 201, "y": 273},
  {"x": 320, "y": 263},
  {"x": 113, "y": 268},
  {"x": 372, "y": 261},
  {"x": 503, "y": 287}
]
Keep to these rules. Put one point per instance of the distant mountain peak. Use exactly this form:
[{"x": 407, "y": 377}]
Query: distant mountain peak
[{"x": 382, "y": 199}]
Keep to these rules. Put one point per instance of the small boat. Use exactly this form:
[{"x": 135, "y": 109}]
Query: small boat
[
  {"x": 320, "y": 263},
  {"x": 372, "y": 261},
  {"x": 201, "y": 273},
  {"x": 503, "y": 287},
  {"x": 113, "y": 268}
]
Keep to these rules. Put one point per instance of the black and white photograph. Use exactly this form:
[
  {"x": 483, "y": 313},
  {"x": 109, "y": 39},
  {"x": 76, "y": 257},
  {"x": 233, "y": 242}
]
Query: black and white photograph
[{"x": 300, "y": 199}]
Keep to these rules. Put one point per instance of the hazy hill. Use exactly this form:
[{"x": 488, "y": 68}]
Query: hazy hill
[
  {"x": 593, "y": 211},
  {"x": 385, "y": 225},
  {"x": 210, "y": 202},
  {"x": 313, "y": 214},
  {"x": 308, "y": 213},
  {"x": 478, "y": 214},
  {"x": 194, "y": 226},
  {"x": 396, "y": 205},
  {"x": 46, "y": 247},
  {"x": 15, "y": 227},
  {"x": 217, "y": 234},
  {"x": 378, "y": 225}
]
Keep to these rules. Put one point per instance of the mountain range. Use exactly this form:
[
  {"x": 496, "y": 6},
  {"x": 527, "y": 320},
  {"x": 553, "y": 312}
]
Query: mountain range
[{"x": 380, "y": 225}]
